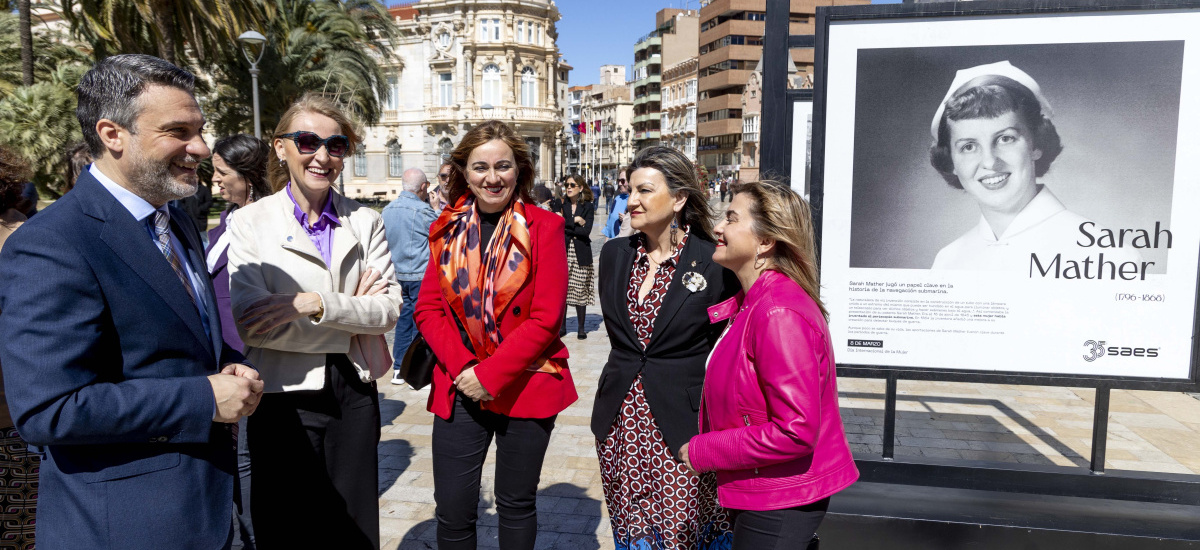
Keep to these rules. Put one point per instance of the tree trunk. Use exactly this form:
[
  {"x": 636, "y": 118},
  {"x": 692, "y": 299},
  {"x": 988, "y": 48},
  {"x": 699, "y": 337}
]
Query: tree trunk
[
  {"x": 164, "y": 19},
  {"x": 26, "y": 35}
]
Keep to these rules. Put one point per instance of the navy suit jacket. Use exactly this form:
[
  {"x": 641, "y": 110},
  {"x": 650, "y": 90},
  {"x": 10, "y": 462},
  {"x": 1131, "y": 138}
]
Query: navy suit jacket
[{"x": 105, "y": 358}]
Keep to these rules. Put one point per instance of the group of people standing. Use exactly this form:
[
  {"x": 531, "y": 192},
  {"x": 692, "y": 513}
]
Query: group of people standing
[{"x": 137, "y": 361}]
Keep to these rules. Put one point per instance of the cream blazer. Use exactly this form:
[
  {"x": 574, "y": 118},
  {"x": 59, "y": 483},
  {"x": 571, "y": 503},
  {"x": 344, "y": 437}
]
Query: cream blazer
[{"x": 269, "y": 253}]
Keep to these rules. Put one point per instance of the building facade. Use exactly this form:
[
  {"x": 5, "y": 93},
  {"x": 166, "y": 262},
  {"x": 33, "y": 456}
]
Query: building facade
[
  {"x": 606, "y": 141},
  {"x": 458, "y": 63},
  {"x": 731, "y": 34},
  {"x": 672, "y": 41},
  {"x": 679, "y": 106}
]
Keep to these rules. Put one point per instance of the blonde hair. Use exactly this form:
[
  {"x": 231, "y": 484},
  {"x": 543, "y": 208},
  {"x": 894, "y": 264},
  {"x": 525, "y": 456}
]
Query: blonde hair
[
  {"x": 310, "y": 102},
  {"x": 777, "y": 212}
]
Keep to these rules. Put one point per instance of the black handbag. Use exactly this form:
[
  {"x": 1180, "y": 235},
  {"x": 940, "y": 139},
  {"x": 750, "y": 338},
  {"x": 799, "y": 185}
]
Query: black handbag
[{"x": 419, "y": 362}]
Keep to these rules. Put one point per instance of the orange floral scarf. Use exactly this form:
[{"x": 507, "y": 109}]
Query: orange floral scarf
[{"x": 475, "y": 290}]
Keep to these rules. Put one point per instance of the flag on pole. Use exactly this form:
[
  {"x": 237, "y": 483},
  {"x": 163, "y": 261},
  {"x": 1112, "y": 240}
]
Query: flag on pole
[{"x": 582, "y": 128}]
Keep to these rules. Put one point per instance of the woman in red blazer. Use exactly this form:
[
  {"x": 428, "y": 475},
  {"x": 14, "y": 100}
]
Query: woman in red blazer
[{"x": 490, "y": 307}]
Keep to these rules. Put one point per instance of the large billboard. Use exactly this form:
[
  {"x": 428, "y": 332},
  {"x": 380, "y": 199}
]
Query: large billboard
[{"x": 1013, "y": 192}]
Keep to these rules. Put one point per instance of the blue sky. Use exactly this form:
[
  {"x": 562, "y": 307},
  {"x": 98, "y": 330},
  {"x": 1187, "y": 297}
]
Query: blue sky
[{"x": 592, "y": 33}]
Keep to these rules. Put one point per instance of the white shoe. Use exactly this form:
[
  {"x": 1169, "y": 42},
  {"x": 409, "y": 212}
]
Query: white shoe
[{"x": 396, "y": 380}]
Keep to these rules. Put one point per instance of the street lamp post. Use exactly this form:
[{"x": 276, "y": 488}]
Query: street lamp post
[
  {"x": 486, "y": 109},
  {"x": 629, "y": 140},
  {"x": 254, "y": 38}
]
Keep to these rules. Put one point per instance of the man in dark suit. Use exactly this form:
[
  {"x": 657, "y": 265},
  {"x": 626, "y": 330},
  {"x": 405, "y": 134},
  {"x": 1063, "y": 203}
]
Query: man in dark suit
[{"x": 110, "y": 341}]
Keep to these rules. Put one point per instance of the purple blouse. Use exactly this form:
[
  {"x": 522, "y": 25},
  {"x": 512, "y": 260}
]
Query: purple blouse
[{"x": 320, "y": 233}]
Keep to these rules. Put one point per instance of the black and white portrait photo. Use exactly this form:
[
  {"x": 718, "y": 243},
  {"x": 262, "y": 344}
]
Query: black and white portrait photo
[{"x": 976, "y": 157}]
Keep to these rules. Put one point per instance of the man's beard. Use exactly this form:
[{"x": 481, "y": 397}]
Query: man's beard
[{"x": 152, "y": 180}]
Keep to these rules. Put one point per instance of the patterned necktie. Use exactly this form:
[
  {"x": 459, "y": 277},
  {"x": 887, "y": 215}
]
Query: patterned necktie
[{"x": 162, "y": 232}]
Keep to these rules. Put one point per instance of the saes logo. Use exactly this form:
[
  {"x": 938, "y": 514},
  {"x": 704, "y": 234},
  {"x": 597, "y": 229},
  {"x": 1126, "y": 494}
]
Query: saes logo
[{"x": 1097, "y": 349}]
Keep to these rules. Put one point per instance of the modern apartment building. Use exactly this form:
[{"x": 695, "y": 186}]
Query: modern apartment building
[
  {"x": 679, "y": 106},
  {"x": 731, "y": 33},
  {"x": 672, "y": 41}
]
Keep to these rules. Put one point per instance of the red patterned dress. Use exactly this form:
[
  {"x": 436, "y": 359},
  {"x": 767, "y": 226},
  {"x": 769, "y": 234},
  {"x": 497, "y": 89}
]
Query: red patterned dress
[{"x": 654, "y": 502}]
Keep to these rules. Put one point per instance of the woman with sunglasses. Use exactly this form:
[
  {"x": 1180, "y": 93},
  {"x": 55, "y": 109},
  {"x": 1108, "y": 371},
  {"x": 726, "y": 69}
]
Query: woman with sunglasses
[
  {"x": 489, "y": 307},
  {"x": 579, "y": 211},
  {"x": 310, "y": 270}
]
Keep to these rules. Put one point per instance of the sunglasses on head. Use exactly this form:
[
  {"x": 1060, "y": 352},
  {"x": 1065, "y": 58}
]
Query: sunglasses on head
[{"x": 308, "y": 143}]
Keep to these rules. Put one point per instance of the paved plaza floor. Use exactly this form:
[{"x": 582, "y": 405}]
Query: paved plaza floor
[{"x": 1148, "y": 431}]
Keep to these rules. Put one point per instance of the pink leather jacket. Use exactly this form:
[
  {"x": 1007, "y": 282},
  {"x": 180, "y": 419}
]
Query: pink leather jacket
[{"x": 769, "y": 420}]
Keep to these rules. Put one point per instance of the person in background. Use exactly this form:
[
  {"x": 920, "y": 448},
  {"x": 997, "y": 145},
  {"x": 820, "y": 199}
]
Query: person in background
[
  {"x": 543, "y": 197},
  {"x": 617, "y": 224},
  {"x": 595, "y": 199},
  {"x": 75, "y": 162},
  {"x": 18, "y": 465},
  {"x": 240, "y": 173},
  {"x": 655, "y": 287},
  {"x": 770, "y": 407},
  {"x": 489, "y": 307},
  {"x": 309, "y": 271},
  {"x": 579, "y": 212},
  {"x": 111, "y": 342},
  {"x": 609, "y": 192},
  {"x": 30, "y": 198},
  {"x": 406, "y": 223},
  {"x": 197, "y": 207},
  {"x": 437, "y": 191}
]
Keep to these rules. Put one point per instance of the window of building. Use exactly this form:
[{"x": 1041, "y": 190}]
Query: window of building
[
  {"x": 444, "y": 40},
  {"x": 691, "y": 116},
  {"x": 489, "y": 30},
  {"x": 360, "y": 163},
  {"x": 391, "y": 101},
  {"x": 691, "y": 90},
  {"x": 491, "y": 85},
  {"x": 540, "y": 35},
  {"x": 529, "y": 34},
  {"x": 528, "y": 87},
  {"x": 521, "y": 31},
  {"x": 445, "y": 89},
  {"x": 395, "y": 160}
]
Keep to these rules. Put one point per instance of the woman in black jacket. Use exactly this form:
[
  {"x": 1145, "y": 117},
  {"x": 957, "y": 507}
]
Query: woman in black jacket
[
  {"x": 656, "y": 288},
  {"x": 579, "y": 213}
]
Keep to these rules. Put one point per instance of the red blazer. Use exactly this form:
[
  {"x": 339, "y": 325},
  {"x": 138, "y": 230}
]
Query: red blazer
[{"x": 528, "y": 325}]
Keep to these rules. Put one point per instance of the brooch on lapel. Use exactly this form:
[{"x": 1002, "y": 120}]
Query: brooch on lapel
[{"x": 694, "y": 282}]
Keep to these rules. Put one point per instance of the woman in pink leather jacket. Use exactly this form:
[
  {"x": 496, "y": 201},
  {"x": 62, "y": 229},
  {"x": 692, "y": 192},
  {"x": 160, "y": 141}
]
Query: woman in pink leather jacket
[{"x": 769, "y": 421}]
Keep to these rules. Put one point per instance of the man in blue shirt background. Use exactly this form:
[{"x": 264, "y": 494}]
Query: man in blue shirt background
[{"x": 406, "y": 223}]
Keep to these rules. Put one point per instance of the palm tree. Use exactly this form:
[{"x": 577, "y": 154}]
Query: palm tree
[
  {"x": 38, "y": 122},
  {"x": 51, "y": 54},
  {"x": 171, "y": 29},
  {"x": 26, "y": 43},
  {"x": 330, "y": 46}
]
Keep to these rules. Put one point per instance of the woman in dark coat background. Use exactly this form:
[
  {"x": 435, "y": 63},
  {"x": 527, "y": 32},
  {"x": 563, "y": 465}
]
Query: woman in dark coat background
[{"x": 579, "y": 212}]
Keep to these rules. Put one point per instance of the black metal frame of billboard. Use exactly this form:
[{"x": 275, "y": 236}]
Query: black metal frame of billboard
[{"x": 775, "y": 159}]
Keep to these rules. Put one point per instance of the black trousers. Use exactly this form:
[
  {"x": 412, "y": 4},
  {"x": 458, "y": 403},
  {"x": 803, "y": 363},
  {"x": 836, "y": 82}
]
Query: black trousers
[
  {"x": 315, "y": 463},
  {"x": 460, "y": 446},
  {"x": 790, "y": 528}
]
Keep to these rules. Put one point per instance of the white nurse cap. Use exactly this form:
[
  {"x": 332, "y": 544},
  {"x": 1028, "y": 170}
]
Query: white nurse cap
[{"x": 967, "y": 77}]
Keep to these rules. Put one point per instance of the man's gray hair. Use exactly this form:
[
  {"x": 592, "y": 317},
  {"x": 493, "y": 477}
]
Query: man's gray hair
[
  {"x": 414, "y": 180},
  {"x": 110, "y": 90}
]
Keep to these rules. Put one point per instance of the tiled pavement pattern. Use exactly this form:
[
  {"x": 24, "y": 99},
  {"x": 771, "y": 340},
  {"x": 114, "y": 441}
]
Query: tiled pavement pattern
[{"x": 1150, "y": 431}]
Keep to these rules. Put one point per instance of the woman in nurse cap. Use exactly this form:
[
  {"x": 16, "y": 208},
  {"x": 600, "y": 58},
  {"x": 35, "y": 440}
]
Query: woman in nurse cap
[{"x": 993, "y": 137}]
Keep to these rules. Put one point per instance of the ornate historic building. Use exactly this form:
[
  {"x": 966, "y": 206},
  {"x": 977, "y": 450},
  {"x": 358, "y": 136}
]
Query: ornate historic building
[{"x": 460, "y": 62}]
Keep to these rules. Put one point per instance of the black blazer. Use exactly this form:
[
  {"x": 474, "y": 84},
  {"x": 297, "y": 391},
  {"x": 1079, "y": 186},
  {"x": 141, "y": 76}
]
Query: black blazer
[
  {"x": 581, "y": 233},
  {"x": 673, "y": 364}
]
